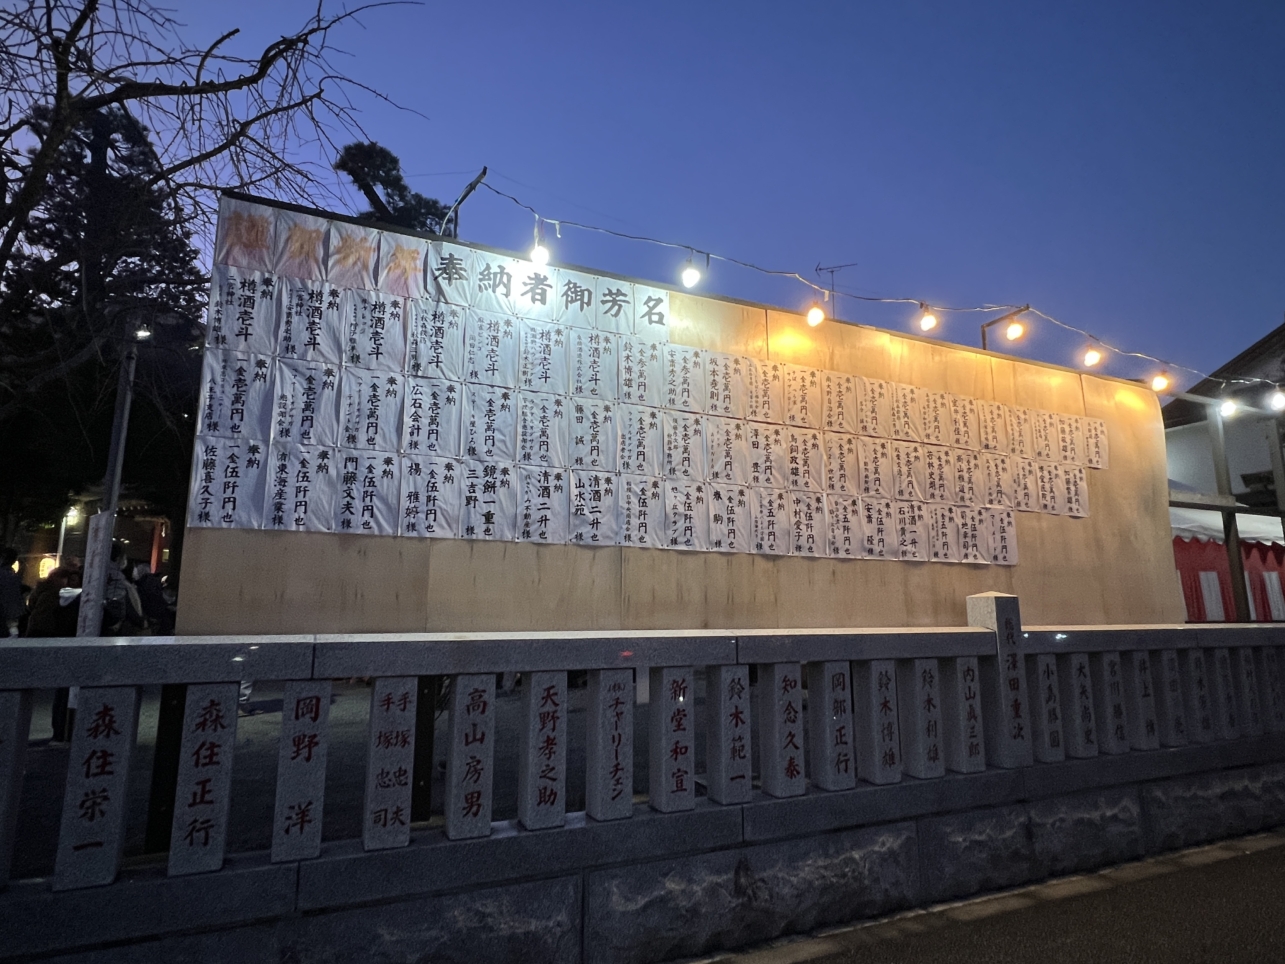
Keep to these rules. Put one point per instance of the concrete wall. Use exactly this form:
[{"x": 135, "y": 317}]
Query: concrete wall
[{"x": 1190, "y": 456}]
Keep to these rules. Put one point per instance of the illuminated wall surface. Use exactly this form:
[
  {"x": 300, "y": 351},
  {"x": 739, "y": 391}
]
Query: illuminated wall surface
[{"x": 398, "y": 434}]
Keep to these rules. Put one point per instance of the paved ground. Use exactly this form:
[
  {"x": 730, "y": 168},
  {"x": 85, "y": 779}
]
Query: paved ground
[{"x": 1223, "y": 904}]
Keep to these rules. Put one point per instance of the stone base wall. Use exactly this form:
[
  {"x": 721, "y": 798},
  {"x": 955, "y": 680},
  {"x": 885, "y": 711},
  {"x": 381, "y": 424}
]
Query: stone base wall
[{"x": 658, "y": 887}]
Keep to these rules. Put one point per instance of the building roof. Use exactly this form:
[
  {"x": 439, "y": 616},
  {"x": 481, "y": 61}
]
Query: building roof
[{"x": 1265, "y": 358}]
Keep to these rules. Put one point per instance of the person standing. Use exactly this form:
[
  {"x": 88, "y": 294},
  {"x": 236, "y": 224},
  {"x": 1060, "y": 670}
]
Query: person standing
[{"x": 12, "y": 606}]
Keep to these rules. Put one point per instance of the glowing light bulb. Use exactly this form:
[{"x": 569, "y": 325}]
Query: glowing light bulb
[
  {"x": 143, "y": 334},
  {"x": 815, "y": 315},
  {"x": 73, "y": 516},
  {"x": 691, "y": 275},
  {"x": 1276, "y": 401},
  {"x": 928, "y": 321},
  {"x": 1091, "y": 357},
  {"x": 540, "y": 254},
  {"x": 1160, "y": 382},
  {"x": 1227, "y": 409},
  {"x": 1014, "y": 331}
]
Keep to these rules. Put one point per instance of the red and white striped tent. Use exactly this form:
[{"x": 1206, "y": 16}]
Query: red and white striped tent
[{"x": 1201, "y": 559}]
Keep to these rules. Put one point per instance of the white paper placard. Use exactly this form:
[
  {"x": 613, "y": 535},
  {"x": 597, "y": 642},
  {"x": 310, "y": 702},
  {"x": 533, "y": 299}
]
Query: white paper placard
[
  {"x": 592, "y": 440},
  {"x": 490, "y": 423},
  {"x": 302, "y": 489},
  {"x": 970, "y": 480},
  {"x": 909, "y": 472},
  {"x": 727, "y": 444},
  {"x": 490, "y": 349},
  {"x": 595, "y": 509},
  {"x": 595, "y": 366},
  {"x": 943, "y": 533},
  {"x": 401, "y": 264},
  {"x": 246, "y": 235},
  {"x": 614, "y": 310},
  {"x": 1075, "y": 487},
  {"x": 512, "y": 287},
  {"x": 842, "y": 466},
  {"x": 642, "y": 443},
  {"x": 432, "y": 497},
  {"x": 374, "y": 332},
  {"x": 685, "y": 446},
  {"x": 769, "y": 461},
  {"x": 963, "y": 422},
  {"x": 878, "y": 529},
  {"x": 998, "y": 470},
  {"x": 726, "y": 385},
  {"x": 535, "y": 291},
  {"x": 642, "y": 510},
  {"x": 450, "y": 273},
  {"x": 1095, "y": 443},
  {"x": 433, "y": 423},
  {"x": 839, "y": 393},
  {"x": 843, "y": 518},
  {"x": 435, "y": 339},
  {"x": 352, "y": 256},
  {"x": 804, "y": 400},
  {"x": 651, "y": 313},
  {"x": 809, "y": 532},
  {"x": 992, "y": 426},
  {"x": 1052, "y": 489},
  {"x": 907, "y": 413},
  {"x": 687, "y": 514},
  {"x": 684, "y": 379},
  {"x": 939, "y": 474},
  {"x": 766, "y": 399},
  {"x": 936, "y": 417},
  {"x": 1070, "y": 439},
  {"x": 243, "y": 311},
  {"x": 369, "y": 500},
  {"x": 309, "y": 321},
  {"x": 1002, "y": 534},
  {"x": 770, "y": 516},
  {"x": 299, "y": 249},
  {"x": 543, "y": 430},
  {"x": 974, "y": 535},
  {"x": 1044, "y": 436},
  {"x": 877, "y": 478},
  {"x": 1021, "y": 431},
  {"x": 730, "y": 518},
  {"x": 306, "y": 409},
  {"x": 577, "y": 294},
  {"x": 874, "y": 407},
  {"x": 805, "y": 459},
  {"x": 544, "y": 505},
  {"x": 229, "y": 483},
  {"x": 489, "y": 503},
  {"x": 1026, "y": 485},
  {"x": 913, "y": 544},
  {"x": 236, "y": 395},
  {"x": 542, "y": 359},
  {"x": 642, "y": 372},
  {"x": 370, "y": 409}
]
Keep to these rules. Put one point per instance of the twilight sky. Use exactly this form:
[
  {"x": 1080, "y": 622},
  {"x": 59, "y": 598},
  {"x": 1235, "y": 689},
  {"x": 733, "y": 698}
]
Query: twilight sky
[{"x": 1118, "y": 166}]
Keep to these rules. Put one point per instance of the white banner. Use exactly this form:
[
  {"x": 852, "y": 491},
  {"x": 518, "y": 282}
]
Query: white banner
[
  {"x": 998, "y": 470},
  {"x": 1044, "y": 435},
  {"x": 805, "y": 460},
  {"x": 642, "y": 444},
  {"x": 730, "y": 525},
  {"x": 1075, "y": 484},
  {"x": 1052, "y": 488},
  {"x": 595, "y": 509},
  {"x": 939, "y": 474},
  {"x": 936, "y": 417},
  {"x": 878, "y": 529},
  {"x": 943, "y": 534},
  {"x": 576, "y": 297},
  {"x": 435, "y": 339},
  {"x": 353, "y": 256},
  {"x": 684, "y": 379},
  {"x": 489, "y": 507},
  {"x": 804, "y": 400},
  {"x": 401, "y": 264},
  {"x": 374, "y": 330},
  {"x": 992, "y": 426},
  {"x": 1021, "y": 431},
  {"x": 300, "y": 246},
  {"x": 246, "y": 235},
  {"x": 1026, "y": 485},
  {"x": 1070, "y": 439},
  {"x": 236, "y": 395},
  {"x": 642, "y": 509},
  {"x": 728, "y": 446},
  {"x": 1095, "y": 443},
  {"x": 370, "y": 409},
  {"x": 592, "y": 440},
  {"x": 841, "y": 402},
  {"x": 306, "y": 409},
  {"x": 770, "y": 517},
  {"x": 543, "y": 430},
  {"x": 878, "y": 476},
  {"x": 229, "y": 484},
  {"x": 974, "y": 535},
  {"x": 685, "y": 446},
  {"x": 642, "y": 372},
  {"x": 369, "y": 500},
  {"x": 809, "y": 533},
  {"x": 615, "y": 306},
  {"x": 490, "y": 426},
  {"x": 769, "y": 456},
  {"x": 766, "y": 399},
  {"x": 544, "y": 507},
  {"x": 726, "y": 385},
  {"x": 450, "y": 276},
  {"x": 311, "y": 321},
  {"x": 1002, "y": 536},
  {"x": 302, "y": 489},
  {"x": 909, "y": 472},
  {"x": 842, "y": 467},
  {"x": 542, "y": 358},
  {"x": 595, "y": 365},
  {"x": 907, "y": 413},
  {"x": 490, "y": 349},
  {"x": 844, "y": 519},
  {"x": 432, "y": 497},
  {"x": 913, "y": 542},
  {"x": 874, "y": 407},
  {"x": 963, "y": 422},
  {"x": 651, "y": 313},
  {"x": 970, "y": 480},
  {"x": 687, "y": 515},
  {"x": 434, "y": 420}
]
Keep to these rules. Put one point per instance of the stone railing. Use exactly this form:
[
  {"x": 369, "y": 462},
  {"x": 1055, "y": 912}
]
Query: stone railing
[{"x": 803, "y": 733}]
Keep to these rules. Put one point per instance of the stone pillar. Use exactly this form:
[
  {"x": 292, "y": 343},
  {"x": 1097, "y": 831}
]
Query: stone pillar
[
  {"x": 1196, "y": 697},
  {"x": 1170, "y": 713},
  {"x": 1008, "y": 732},
  {"x": 609, "y": 746},
  {"x": 542, "y": 765},
  {"x": 1109, "y": 703},
  {"x": 301, "y": 770},
  {"x": 1245, "y": 686},
  {"x": 199, "y": 832},
  {"x": 1076, "y": 682},
  {"x": 961, "y": 701},
  {"x": 671, "y": 748},
  {"x": 470, "y": 756},
  {"x": 831, "y": 743},
  {"x": 920, "y": 718},
  {"x": 1222, "y": 692},
  {"x": 728, "y": 726},
  {"x": 874, "y": 695},
  {"x": 1272, "y": 694},
  {"x": 390, "y": 760},
  {"x": 1140, "y": 694},
  {"x": 1046, "y": 709},
  {"x": 15, "y": 728},
  {"x": 94, "y": 803},
  {"x": 779, "y": 715}
]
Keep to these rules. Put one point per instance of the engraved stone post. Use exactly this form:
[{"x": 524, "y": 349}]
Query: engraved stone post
[
  {"x": 1272, "y": 693},
  {"x": 1246, "y": 689},
  {"x": 1046, "y": 709},
  {"x": 830, "y": 736},
  {"x": 919, "y": 702},
  {"x": 1222, "y": 693},
  {"x": 542, "y": 767},
  {"x": 874, "y": 695},
  {"x": 671, "y": 747},
  {"x": 93, "y": 810},
  {"x": 1140, "y": 694},
  {"x": 727, "y": 734},
  {"x": 15, "y": 727},
  {"x": 199, "y": 832},
  {"x": 301, "y": 770},
  {"x": 1170, "y": 713},
  {"x": 779, "y": 714},
  {"x": 1108, "y": 703},
  {"x": 1008, "y": 733},
  {"x": 390, "y": 762},
  {"x": 470, "y": 755},
  {"x": 609, "y": 750},
  {"x": 1195, "y": 689},
  {"x": 961, "y": 700},
  {"x": 1077, "y": 697}
]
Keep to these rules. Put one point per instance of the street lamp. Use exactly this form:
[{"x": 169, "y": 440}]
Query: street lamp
[
  {"x": 1014, "y": 330},
  {"x": 69, "y": 518}
]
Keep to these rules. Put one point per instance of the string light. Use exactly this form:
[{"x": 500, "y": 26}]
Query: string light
[
  {"x": 1091, "y": 357},
  {"x": 816, "y": 315},
  {"x": 1160, "y": 382},
  {"x": 1228, "y": 408},
  {"x": 1014, "y": 331},
  {"x": 1276, "y": 401},
  {"x": 539, "y": 253},
  {"x": 143, "y": 333},
  {"x": 928, "y": 320},
  {"x": 691, "y": 275}
]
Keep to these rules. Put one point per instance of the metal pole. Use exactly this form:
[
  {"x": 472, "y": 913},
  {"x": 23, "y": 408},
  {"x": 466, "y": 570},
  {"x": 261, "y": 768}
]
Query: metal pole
[
  {"x": 984, "y": 327},
  {"x": 1231, "y": 532},
  {"x": 1278, "y": 465},
  {"x": 120, "y": 427},
  {"x": 62, "y": 534}
]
